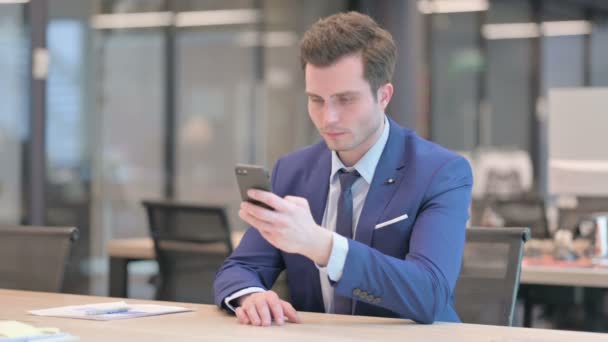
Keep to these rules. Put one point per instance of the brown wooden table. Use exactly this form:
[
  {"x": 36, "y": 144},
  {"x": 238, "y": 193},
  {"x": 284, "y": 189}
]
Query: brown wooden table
[{"x": 208, "y": 323}]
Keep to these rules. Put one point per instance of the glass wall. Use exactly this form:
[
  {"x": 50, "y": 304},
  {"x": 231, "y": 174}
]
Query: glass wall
[
  {"x": 219, "y": 101},
  {"x": 68, "y": 138},
  {"x": 509, "y": 66},
  {"x": 241, "y": 97},
  {"x": 455, "y": 72},
  {"x": 129, "y": 95},
  {"x": 14, "y": 47},
  {"x": 238, "y": 93},
  {"x": 493, "y": 62}
]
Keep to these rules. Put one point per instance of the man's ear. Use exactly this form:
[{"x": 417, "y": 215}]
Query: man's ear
[{"x": 384, "y": 94}]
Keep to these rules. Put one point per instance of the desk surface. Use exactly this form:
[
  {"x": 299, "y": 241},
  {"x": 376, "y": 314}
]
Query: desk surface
[
  {"x": 530, "y": 274},
  {"x": 564, "y": 276},
  {"x": 207, "y": 323}
]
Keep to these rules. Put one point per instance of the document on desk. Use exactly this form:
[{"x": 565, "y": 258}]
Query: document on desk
[{"x": 109, "y": 311}]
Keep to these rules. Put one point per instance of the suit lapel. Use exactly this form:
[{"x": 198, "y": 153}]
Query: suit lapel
[{"x": 390, "y": 166}]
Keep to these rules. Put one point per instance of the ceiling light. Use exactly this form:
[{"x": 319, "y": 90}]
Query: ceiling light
[{"x": 452, "y": 6}]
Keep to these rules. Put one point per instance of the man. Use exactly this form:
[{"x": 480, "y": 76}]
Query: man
[{"x": 370, "y": 221}]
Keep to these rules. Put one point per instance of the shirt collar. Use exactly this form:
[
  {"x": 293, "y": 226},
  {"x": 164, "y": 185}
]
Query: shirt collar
[{"x": 366, "y": 166}]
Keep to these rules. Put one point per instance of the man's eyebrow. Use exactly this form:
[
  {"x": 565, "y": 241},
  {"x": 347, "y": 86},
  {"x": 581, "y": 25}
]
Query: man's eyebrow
[
  {"x": 312, "y": 94},
  {"x": 344, "y": 93}
]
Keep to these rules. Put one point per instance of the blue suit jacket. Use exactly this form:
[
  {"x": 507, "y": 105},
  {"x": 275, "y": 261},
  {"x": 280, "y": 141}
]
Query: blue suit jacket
[{"x": 407, "y": 269}]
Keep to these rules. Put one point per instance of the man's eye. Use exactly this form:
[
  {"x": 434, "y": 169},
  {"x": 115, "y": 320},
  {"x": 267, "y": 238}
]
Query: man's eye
[{"x": 345, "y": 100}]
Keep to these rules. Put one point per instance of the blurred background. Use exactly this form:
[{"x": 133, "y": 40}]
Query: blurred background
[{"x": 105, "y": 103}]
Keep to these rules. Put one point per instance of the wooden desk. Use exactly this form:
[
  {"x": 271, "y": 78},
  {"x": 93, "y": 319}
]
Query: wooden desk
[
  {"x": 208, "y": 323},
  {"x": 544, "y": 271},
  {"x": 564, "y": 276},
  {"x": 123, "y": 251}
]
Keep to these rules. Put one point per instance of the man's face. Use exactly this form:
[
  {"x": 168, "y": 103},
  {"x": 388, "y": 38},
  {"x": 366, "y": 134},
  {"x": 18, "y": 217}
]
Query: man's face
[{"x": 343, "y": 108}]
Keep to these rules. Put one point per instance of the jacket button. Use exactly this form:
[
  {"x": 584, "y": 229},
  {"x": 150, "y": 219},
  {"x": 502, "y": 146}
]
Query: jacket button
[
  {"x": 370, "y": 298},
  {"x": 377, "y": 301},
  {"x": 356, "y": 292},
  {"x": 363, "y": 294}
]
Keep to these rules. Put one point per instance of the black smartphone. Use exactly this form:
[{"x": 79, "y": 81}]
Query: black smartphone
[{"x": 252, "y": 177}]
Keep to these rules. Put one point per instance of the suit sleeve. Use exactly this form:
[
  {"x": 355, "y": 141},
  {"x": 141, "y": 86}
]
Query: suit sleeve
[
  {"x": 254, "y": 263},
  {"x": 420, "y": 286}
]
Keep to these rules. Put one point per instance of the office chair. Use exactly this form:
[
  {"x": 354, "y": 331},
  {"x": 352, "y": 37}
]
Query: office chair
[
  {"x": 191, "y": 243},
  {"x": 524, "y": 211},
  {"x": 34, "y": 258},
  {"x": 489, "y": 279}
]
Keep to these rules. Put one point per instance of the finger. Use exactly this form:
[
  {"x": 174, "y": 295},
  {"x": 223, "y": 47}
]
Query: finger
[
  {"x": 239, "y": 312},
  {"x": 270, "y": 199},
  {"x": 256, "y": 223},
  {"x": 298, "y": 201},
  {"x": 252, "y": 314},
  {"x": 290, "y": 312},
  {"x": 260, "y": 213},
  {"x": 263, "y": 311},
  {"x": 242, "y": 316},
  {"x": 276, "y": 308}
]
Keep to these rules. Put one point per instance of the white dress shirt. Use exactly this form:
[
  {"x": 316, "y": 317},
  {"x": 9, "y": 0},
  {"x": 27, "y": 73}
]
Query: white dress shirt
[{"x": 366, "y": 166}]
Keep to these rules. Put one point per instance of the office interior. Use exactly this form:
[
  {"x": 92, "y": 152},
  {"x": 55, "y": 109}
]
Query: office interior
[{"x": 105, "y": 104}]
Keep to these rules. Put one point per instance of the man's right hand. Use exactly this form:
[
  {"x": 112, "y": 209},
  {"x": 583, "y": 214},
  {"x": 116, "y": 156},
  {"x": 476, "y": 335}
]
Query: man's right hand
[{"x": 262, "y": 307}]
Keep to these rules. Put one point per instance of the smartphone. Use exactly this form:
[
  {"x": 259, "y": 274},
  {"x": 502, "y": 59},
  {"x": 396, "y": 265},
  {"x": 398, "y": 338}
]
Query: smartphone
[{"x": 252, "y": 177}]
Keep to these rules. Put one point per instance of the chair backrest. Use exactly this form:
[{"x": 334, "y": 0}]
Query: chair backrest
[
  {"x": 34, "y": 258},
  {"x": 489, "y": 279},
  {"x": 191, "y": 243},
  {"x": 527, "y": 211},
  {"x": 521, "y": 211}
]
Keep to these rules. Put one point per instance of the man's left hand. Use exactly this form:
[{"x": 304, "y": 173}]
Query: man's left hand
[{"x": 290, "y": 227}]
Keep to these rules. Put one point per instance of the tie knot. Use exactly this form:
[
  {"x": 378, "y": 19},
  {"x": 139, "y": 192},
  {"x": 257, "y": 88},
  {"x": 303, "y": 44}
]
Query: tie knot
[{"x": 347, "y": 178}]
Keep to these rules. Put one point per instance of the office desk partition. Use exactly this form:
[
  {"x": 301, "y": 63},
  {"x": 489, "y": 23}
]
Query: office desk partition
[{"x": 208, "y": 323}]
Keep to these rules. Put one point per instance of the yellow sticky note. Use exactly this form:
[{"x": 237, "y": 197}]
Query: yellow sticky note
[{"x": 18, "y": 329}]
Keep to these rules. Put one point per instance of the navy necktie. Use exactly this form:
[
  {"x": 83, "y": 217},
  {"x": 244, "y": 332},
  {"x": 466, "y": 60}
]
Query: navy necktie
[{"x": 344, "y": 227}]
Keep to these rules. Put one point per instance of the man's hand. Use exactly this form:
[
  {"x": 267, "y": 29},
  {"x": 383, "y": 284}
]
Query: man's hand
[
  {"x": 290, "y": 227},
  {"x": 262, "y": 307}
]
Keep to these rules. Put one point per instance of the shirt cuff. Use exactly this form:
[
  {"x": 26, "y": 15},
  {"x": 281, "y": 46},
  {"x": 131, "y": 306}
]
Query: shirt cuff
[
  {"x": 337, "y": 258},
  {"x": 240, "y": 293}
]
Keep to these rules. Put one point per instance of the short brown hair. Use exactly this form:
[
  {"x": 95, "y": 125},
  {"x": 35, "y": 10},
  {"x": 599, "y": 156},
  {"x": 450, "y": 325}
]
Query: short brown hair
[{"x": 339, "y": 35}]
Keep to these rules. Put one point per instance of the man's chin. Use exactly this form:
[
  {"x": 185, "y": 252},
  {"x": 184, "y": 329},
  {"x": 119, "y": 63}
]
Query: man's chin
[{"x": 332, "y": 145}]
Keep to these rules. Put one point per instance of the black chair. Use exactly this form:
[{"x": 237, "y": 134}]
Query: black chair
[
  {"x": 486, "y": 290},
  {"x": 191, "y": 243},
  {"x": 34, "y": 258},
  {"x": 521, "y": 211},
  {"x": 525, "y": 211}
]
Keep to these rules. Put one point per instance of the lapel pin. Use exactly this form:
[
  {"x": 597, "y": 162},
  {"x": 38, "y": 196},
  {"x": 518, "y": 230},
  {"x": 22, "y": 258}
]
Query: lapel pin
[{"x": 390, "y": 181}]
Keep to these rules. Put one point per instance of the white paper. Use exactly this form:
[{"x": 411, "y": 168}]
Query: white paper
[{"x": 135, "y": 310}]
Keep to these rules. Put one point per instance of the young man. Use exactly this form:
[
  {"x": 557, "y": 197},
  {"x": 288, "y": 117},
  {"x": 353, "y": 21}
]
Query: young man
[{"x": 370, "y": 221}]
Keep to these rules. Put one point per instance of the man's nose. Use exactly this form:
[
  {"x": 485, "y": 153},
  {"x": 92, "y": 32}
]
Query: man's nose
[{"x": 330, "y": 115}]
